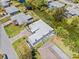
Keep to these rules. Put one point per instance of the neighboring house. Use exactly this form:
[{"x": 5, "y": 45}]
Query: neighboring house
[
  {"x": 12, "y": 10},
  {"x": 40, "y": 31},
  {"x": 73, "y": 10},
  {"x": 5, "y": 3},
  {"x": 5, "y": 0},
  {"x": 21, "y": 18},
  {"x": 55, "y": 4}
]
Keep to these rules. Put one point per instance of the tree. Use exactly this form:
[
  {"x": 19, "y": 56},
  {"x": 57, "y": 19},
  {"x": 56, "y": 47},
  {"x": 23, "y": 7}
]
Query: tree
[
  {"x": 60, "y": 31},
  {"x": 33, "y": 53},
  {"x": 58, "y": 13},
  {"x": 38, "y": 3},
  {"x": 75, "y": 1},
  {"x": 75, "y": 21}
]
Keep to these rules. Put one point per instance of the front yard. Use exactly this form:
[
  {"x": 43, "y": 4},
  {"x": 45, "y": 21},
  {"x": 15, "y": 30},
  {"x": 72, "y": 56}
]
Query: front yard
[
  {"x": 12, "y": 30},
  {"x": 22, "y": 49}
]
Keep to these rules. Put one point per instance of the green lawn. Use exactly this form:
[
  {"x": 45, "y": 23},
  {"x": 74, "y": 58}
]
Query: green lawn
[
  {"x": 22, "y": 49},
  {"x": 13, "y": 30},
  {"x": 4, "y": 20},
  {"x": 40, "y": 44}
]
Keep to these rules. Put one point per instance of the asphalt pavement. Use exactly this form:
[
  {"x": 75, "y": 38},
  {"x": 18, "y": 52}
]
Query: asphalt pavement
[{"x": 5, "y": 45}]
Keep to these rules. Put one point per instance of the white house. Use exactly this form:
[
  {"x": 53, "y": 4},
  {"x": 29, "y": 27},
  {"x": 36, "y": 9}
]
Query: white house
[
  {"x": 21, "y": 18},
  {"x": 40, "y": 31},
  {"x": 11, "y": 10},
  {"x": 5, "y": 0},
  {"x": 5, "y": 3},
  {"x": 55, "y": 4},
  {"x": 73, "y": 10}
]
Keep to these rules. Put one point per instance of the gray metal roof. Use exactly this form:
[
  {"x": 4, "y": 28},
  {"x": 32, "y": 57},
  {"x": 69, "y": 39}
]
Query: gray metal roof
[
  {"x": 55, "y": 4},
  {"x": 4, "y": 3},
  {"x": 11, "y": 9},
  {"x": 74, "y": 10},
  {"x": 41, "y": 29},
  {"x": 5, "y": 0},
  {"x": 21, "y": 18}
]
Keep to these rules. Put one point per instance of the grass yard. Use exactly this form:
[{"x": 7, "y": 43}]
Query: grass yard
[
  {"x": 44, "y": 16},
  {"x": 4, "y": 20},
  {"x": 35, "y": 17},
  {"x": 40, "y": 44},
  {"x": 58, "y": 41},
  {"x": 21, "y": 8},
  {"x": 22, "y": 49},
  {"x": 13, "y": 30},
  {"x": 60, "y": 44},
  {"x": 38, "y": 55}
]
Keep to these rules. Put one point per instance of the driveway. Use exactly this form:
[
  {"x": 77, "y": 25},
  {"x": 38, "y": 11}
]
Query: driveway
[
  {"x": 51, "y": 51},
  {"x": 46, "y": 53},
  {"x": 5, "y": 45}
]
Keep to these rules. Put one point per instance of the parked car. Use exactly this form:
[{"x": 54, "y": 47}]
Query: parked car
[{"x": 5, "y": 56}]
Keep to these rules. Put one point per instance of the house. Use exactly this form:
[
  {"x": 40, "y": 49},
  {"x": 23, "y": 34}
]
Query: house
[
  {"x": 21, "y": 18},
  {"x": 12, "y": 10},
  {"x": 5, "y": 3},
  {"x": 55, "y": 4},
  {"x": 73, "y": 10},
  {"x": 40, "y": 31},
  {"x": 5, "y": 0}
]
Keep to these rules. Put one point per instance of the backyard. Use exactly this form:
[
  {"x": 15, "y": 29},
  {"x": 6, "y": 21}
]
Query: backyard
[
  {"x": 12, "y": 30},
  {"x": 22, "y": 49}
]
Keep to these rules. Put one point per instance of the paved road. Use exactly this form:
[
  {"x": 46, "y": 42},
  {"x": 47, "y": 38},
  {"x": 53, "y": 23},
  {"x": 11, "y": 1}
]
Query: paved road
[{"x": 6, "y": 46}]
